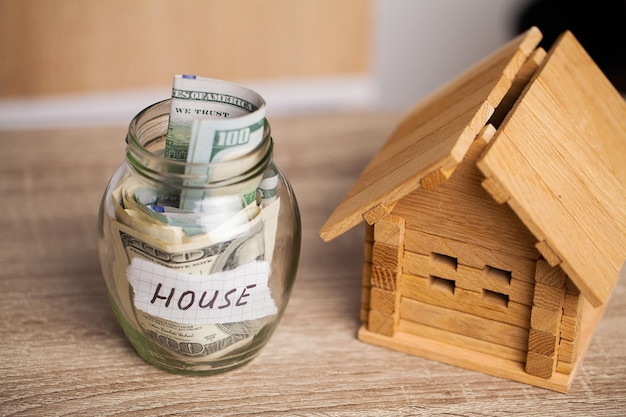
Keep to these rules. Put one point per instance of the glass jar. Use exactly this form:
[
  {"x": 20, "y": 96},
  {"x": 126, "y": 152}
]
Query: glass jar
[{"x": 200, "y": 290}]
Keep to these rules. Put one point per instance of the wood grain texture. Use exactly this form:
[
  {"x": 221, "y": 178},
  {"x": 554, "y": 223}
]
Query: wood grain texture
[
  {"x": 72, "y": 46},
  {"x": 62, "y": 352},
  {"x": 417, "y": 288},
  {"x": 434, "y": 136},
  {"x": 460, "y": 209},
  {"x": 560, "y": 156}
]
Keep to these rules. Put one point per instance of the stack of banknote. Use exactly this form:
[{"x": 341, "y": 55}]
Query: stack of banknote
[{"x": 194, "y": 267}]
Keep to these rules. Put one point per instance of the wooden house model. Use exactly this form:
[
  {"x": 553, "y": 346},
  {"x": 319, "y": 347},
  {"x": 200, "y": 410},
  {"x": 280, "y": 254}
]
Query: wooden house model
[{"x": 496, "y": 216}]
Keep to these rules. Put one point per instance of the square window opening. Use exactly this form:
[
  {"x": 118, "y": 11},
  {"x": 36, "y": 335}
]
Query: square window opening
[
  {"x": 441, "y": 284},
  {"x": 444, "y": 260},
  {"x": 498, "y": 275},
  {"x": 496, "y": 298}
]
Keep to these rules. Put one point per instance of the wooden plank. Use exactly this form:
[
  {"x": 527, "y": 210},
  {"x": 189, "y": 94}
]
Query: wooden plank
[
  {"x": 547, "y": 320},
  {"x": 383, "y": 278},
  {"x": 366, "y": 284},
  {"x": 548, "y": 297},
  {"x": 387, "y": 256},
  {"x": 423, "y": 243},
  {"x": 455, "y": 339},
  {"x": 451, "y": 215},
  {"x": 522, "y": 268},
  {"x": 519, "y": 83},
  {"x": 443, "y": 139},
  {"x": 544, "y": 335},
  {"x": 480, "y": 281},
  {"x": 572, "y": 319},
  {"x": 368, "y": 248},
  {"x": 378, "y": 322},
  {"x": 543, "y": 343},
  {"x": 564, "y": 186},
  {"x": 550, "y": 276},
  {"x": 466, "y": 358},
  {"x": 419, "y": 264},
  {"x": 470, "y": 278},
  {"x": 570, "y": 327},
  {"x": 572, "y": 305},
  {"x": 564, "y": 367},
  {"x": 495, "y": 190},
  {"x": 540, "y": 365},
  {"x": 515, "y": 290},
  {"x": 464, "y": 324},
  {"x": 585, "y": 95},
  {"x": 369, "y": 232},
  {"x": 567, "y": 351},
  {"x": 367, "y": 275},
  {"x": 376, "y": 213},
  {"x": 548, "y": 254},
  {"x": 390, "y": 230},
  {"x": 418, "y": 288},
  {"x": 383, "y": 301},
  {"x": 461, "y": 209},
  {"x": 436, "y": 178},
  {"x": 365, "y": 304},
  {"x": 403, "y": 174},
  {"x": 459, "y": 112},
  {"x": 460, "y": 356},
  {"x": 404, "y": 170},
  {"x": 425, "y": 265}
]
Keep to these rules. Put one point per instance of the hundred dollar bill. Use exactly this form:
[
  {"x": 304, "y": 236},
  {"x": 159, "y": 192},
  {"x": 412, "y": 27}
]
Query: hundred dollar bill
[
  {"x": 198, "y": 98},
  {"x": 142, "y": 239},
  {"x": 194, "y": 271},
  {"x": 217, "y": 141},
  {"x": 142, "y": 223},
  {"x": 213, "y": 121},
  {"x": 197, "y": 300}
]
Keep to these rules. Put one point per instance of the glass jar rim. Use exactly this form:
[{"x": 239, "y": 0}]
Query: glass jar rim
[{"x": 150, "y": 125}]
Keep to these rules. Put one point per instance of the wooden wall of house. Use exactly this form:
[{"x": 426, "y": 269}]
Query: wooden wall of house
[
  {"x": 74, "y": 46},
  {"x": 468, "y": 266}
]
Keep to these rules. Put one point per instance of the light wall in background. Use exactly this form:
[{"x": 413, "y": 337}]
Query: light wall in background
[
  {"x": 99, "y": 62},
  {"x": 419, "y": 45}
]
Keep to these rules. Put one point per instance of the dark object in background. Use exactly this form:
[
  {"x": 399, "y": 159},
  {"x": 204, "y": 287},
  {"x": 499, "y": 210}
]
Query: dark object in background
[{"x": 600, "y": 27}]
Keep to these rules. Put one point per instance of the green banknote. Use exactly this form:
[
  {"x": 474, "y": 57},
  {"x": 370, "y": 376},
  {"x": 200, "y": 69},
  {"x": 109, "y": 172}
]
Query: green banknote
[
  {"x": 213, "y": 121},
  {"x": 224, "y": 117}
]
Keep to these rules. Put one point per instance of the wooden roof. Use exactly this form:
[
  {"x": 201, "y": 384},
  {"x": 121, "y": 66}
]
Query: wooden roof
[
  {"x": 558, "y": 159},
  {"x": 434, "y": 136}
]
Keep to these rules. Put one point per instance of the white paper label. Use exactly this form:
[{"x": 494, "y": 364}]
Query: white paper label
[{"x": 223, "y": 297}]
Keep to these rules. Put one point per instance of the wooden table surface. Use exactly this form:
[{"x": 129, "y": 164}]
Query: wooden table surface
[{"x": 62, "y": 352}]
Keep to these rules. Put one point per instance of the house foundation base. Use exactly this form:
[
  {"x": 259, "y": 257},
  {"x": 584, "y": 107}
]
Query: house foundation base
[{"x": 464, "y": 357}]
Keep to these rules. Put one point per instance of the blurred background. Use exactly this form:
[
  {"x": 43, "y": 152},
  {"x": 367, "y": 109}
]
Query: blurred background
[{"x": 85, "y": 62}]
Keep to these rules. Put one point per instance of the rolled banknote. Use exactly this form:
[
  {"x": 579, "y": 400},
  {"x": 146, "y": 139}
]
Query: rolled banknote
[
  {"x": 213, "y": 121},
  {"x": 195, "y": 269},
  {"x": 197, "y": 299},
  {"x": 199, "y": 98},
  {"x": 267, "y": 187}
]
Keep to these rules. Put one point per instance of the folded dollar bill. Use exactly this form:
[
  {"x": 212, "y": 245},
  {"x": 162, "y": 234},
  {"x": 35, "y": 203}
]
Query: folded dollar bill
[
  {"x": 212, "y": 121},
  {"x": 222, "y": 119}
]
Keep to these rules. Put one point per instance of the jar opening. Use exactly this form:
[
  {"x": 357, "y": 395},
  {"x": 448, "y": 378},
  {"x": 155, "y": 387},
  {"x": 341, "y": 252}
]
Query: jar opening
[{"x": 146, "y": 141}]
